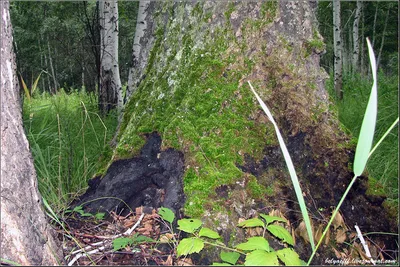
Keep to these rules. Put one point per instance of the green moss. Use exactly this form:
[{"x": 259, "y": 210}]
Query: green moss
[
  {"x": 268, "y": 10},
  {"x": 256, "y": 190},
  {"x": 230, "y": 9},
  {"x": 316, "y": 45}
]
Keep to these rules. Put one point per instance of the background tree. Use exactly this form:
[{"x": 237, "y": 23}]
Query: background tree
[
  {"x": 338, "y": 48},
  {"x": 26, "y": 238},
  {"x": 110, "y": 90}
]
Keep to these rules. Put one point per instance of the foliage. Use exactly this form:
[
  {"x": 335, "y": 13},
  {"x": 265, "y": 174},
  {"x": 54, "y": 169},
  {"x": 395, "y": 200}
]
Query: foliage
[
  {"x": 123, "y": 242},
  {"x": 66, "y": 32},
  {"x": 383, "y": 164},
  {"x": 256, "y": 249},
  {"x": 66, "y": 137}
]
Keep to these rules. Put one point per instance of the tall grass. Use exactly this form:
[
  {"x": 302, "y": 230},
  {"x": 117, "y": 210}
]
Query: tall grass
[
  {"x": 383, "y": 164},
  {"x": 66, "y": 137}
]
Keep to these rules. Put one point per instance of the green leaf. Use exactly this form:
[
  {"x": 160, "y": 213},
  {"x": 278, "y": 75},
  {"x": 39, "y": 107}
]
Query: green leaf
[
  {"x": 261, "y": 258},
  {"x": 208, "y": 233},
  {"x": 230, "y": 257},
  {"x": 78, "y": 209},
  {"x": 290, "y": 166},
  {"x": 141, "y": 239},
  {"x": 220, "y": 264},
  {"x": 121, "y": 242},
  {"x": 367, "y": 131},
  {"x": 100, "y": 215},
  {"x": 257, "y": 242},
  {"x": 269, "y": 219},
  {"x": 166, "y": 214},
  {"x": 34, "y": 86},
  {"x": 189, "y": 225},
  {"x": 281, "y": 233},
  {"x": 252, "y": 223},
  {"x": 85, "y": 214},
  {"x": 289, "y": 257},
  {"x": 189, "y": 246}
]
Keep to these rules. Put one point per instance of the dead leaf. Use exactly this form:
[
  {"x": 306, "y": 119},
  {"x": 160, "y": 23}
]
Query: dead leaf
[
  {"x": 319, "y": 232},
  {"x": 340, "y": 236},
  {"x": 301, "y": 231},
  {"x": 338, "y": 222},
  {"x": 185, "y": 262},
  {"x": 168, "y": 261}
]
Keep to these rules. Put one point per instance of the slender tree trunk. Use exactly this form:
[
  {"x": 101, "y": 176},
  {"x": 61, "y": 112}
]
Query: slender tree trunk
[
  {"x": 134, "y": 70},
  {"x": 356, "y": 41},
  {"x": 338, "y": 48},
  {"x": 362, "y": 67},
  {"x": 110, "y": 83},
  {"x": 383, "y": 36},
  {"x": 52, "y": 69},
  {"x": 374, "y": 25},
  {"x": 26, "y": 237}
]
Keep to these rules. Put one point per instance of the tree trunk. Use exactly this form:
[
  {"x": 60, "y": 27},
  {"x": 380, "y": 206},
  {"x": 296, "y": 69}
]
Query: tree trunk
[
  {"x": 110, "y": 91},
  {"x": 383, "y": 36},
  {"x": 141, "y": 24},
  {"x": 362, "y": 56},
  {"x": 52, "y": 69},
  {"x": 356, "y": 42},
  {"x": 26, "y": 237},
  {"x": 338, "y": 48}
]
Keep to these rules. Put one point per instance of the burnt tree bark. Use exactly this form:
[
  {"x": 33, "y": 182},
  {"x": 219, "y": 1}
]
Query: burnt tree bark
[{"x": 26, "y": 237}]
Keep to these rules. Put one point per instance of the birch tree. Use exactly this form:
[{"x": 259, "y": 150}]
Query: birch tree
[
  {"x": 338, "y": 48},
  {"x": 110, "y": 90},
  {"x": 141, "y": 25},
  {"x": 26, "y": 237},
  {"x": 356, "y": 41}
]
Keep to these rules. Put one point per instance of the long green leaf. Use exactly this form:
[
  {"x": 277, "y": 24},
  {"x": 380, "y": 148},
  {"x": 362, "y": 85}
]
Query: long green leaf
[
  {"x": 368, "y": 125},
  {"x": 290, "y": 166},
  {"x": 34, "y": 86},
  {"x": 362, "y": 157},
  {"x": 28, "y": 95}
]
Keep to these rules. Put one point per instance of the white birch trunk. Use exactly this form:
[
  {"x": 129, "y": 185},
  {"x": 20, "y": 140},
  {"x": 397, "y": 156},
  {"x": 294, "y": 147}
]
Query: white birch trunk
[
  {"x": 110, "y": 82},
  {"x": 356, "y": 41},
  {"x": 338, "y": 48},
  {"x": 134, "y": 76}
]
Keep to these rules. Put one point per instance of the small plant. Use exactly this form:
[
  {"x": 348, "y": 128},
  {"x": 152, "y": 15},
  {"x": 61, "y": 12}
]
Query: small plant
[{"x": 256, "y": 250}]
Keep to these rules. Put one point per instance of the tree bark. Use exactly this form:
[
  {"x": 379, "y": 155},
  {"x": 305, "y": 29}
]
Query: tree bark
[
  {"x": 362, "y": 67},
  {"x": 383, "y": 36},
  {"x": 52, "y": 69},
  {"x": 141, "y": 25},
  {"x": 356, "y": 42},
  {"x": 110, "y": 91},
  {"x": 338, "y": 48},
  {"x": 26, "y": 237}
]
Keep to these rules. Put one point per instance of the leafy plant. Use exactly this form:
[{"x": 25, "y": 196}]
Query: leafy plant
[
  {"x": 123, "y": 242},
  {"x": 256, "y": 249}
]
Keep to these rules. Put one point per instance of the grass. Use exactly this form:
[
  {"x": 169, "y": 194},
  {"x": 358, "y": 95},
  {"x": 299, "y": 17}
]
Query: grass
[
  {"x": 383, "y": 164},
  {"x": 66, "y": 136}
]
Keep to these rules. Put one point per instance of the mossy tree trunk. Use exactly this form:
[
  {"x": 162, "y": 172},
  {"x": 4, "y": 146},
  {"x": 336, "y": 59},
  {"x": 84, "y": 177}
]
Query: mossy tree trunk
[
  {"x": 26, "y": 237},
  {"x": 191, "y": 87}
]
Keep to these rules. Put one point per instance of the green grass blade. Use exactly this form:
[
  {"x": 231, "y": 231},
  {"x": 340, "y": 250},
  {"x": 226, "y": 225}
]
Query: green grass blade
[
  {"x": 292, "y": 171},
  {"x": 363, "y": 145},
  {"x": 368, "y": 125},
  {"x": 384, "y": 136},
  {"x": 34, "y": 86},
  {"x": 28, "y": 95}
]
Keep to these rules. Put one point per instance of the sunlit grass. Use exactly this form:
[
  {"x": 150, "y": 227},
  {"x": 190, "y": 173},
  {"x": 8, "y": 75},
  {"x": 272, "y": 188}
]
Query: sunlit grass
[{"x": 66, "y": 137}]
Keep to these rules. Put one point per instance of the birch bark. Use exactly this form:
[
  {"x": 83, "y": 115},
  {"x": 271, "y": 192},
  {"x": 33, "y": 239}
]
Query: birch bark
[{"x": 110, "y": 91}]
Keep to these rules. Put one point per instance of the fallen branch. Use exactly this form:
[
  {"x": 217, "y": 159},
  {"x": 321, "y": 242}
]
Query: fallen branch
[{"x": 104, "y": 244}]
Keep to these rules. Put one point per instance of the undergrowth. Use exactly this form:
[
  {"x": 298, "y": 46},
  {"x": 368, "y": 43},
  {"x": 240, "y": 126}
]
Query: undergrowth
[
  {"x": 382, "y": 167},
  {"x": 66, "y": 137}
]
